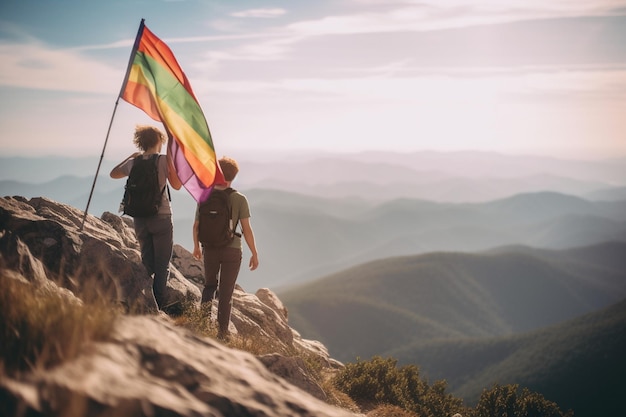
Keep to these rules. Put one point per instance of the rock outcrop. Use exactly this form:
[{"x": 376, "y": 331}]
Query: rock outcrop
[
  {"x": 149, "y": 366},
  {"x": 104, "y": 252}
]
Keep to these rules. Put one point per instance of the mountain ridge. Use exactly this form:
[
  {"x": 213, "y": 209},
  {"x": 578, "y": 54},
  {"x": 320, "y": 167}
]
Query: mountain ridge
[
  {"x": 551, "y": 320},
  {"x": 332, "y": 217},
  {"x": 337, "y": 233},
  {"x": 463, "y": 163},
  {"x": 471, "y": 295}
]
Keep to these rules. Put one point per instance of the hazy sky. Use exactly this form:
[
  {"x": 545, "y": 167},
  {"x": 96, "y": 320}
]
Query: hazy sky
[{"x": 531, "y": 76}]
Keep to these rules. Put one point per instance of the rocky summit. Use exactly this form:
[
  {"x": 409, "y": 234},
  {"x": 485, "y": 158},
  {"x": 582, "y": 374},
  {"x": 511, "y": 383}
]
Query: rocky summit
[{"x": 149, "y": 366}]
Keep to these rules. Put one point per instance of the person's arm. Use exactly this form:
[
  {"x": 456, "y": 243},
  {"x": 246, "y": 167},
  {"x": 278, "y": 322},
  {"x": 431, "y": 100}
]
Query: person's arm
[
  {"x": 197, "y": 252},
  {"x": 248, "y": 235},
  {"x": 117, "y": 172},
  {"x": 172, "y": 176}
]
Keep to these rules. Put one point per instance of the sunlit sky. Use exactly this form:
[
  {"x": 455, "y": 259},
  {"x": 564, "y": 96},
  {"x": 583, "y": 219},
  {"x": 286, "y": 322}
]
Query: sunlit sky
[{"x": 541, "y": 77}]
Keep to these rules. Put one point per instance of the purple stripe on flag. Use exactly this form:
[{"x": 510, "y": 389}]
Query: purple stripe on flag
[{"x": 186, "y": 175}]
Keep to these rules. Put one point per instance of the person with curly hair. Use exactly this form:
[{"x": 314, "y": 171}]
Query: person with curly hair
[{"x": 155, "y": 234}]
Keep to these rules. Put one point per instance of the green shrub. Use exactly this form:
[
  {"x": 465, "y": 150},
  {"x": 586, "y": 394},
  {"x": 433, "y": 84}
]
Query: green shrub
[
  {"x": 379, "y": 381},
  {"x": 509, "y": 401}
]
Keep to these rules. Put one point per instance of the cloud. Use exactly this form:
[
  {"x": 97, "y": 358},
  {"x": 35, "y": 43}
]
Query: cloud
[
  {"x": 424, "y": 15},
  {"x": 260, "y": 13},
  {"x": 399, "y": 17},
  {"x": 35, "y": 66},
  {"x": 410, "y": 87}
]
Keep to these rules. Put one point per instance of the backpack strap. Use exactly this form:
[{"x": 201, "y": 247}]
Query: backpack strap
[
  {"x": 157, "y": 158},
  {"x": 229, "y": 191}
]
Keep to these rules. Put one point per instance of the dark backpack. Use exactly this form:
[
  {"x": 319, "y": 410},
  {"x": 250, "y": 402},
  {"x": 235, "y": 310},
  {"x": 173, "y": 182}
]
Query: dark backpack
[
  {"x": 143, "y": 195},
  {"x": 215, "y": 227}
]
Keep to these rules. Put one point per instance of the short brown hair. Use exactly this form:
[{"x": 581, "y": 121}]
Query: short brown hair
[
  {"x": 229, "y": 167},
  {"x": 147, "y": 136}
]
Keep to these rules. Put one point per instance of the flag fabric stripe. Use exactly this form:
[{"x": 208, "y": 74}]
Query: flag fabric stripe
[
  {"x": 199, "y": 157},
  {"x": 197, "y": 151},
  {"x": 170, "y": 81},
  {"x": 192, "y": 183},
  {"x": 169, "y": 90},
  {"x": 163, "y": 86},
  {"x": 152, "y": 46},
  {"x": 157, "y": 85},
  {"x": 141, "y": 96}
]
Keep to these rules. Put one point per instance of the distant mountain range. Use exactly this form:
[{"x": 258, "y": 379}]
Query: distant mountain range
[
  {"x": 550, "y": 320},
  {"x": 316, "y": 214},
  {"x": 377, "y": 176},
  {"x": 304, "y": 237}
]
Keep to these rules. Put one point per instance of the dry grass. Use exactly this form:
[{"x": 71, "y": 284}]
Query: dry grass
[
  {"x": 197, "y": 320},
  {"x": 337, "y": 398},
  {"x": 42, "y": 327}
]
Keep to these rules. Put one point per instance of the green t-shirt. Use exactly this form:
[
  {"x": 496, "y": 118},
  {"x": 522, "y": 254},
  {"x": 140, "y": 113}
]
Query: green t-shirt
[{"x": 240, "y": 210}]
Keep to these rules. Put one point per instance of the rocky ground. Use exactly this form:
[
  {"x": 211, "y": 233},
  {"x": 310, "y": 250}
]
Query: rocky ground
[{"x": 149, "y": 366}]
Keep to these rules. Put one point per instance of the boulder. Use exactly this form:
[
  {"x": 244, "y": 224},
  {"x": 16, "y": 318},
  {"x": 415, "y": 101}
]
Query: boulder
[
  {"x": 254, "y": 317},
  {"x": 100, "y": 256},
  {"x": 293, "y": 369},
  {"x": 270, "y": 299},
  {"x": 190, "y": 267}
]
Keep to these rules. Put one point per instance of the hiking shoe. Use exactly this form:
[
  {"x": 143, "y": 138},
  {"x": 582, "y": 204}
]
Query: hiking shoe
[{"x": 223, "y": 336}]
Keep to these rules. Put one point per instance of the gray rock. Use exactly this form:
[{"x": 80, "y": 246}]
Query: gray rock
[
  {"x": 269, "y": 298},
  {"x": 152, "y": 368},
  {"x": 191, "y": 268},
  {"x": 102, "y": 257},
  {"x": 293, "y": 369},
  {"x": 256, "y": 318}
]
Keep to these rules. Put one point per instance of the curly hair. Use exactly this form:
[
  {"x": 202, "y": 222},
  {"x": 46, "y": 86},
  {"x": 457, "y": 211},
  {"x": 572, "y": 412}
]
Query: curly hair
[
  {"x": 229, "y": 167},
  {"x": 147, "y": 136}
]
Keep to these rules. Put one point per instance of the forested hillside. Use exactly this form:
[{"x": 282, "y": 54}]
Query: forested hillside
[
  {"x": 436, "y": 296},
  {"x": 579, "y": 363}
]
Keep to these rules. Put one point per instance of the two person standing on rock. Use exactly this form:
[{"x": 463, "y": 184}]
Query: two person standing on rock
[{"x": 155, "y": 232}]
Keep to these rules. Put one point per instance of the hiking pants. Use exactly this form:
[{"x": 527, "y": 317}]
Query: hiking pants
[
  {"x": 156, "y": 240},
  {"x": 221, "y": 268}
]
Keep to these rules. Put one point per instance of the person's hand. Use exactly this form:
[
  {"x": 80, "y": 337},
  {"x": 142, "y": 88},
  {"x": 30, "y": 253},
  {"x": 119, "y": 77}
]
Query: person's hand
[
  {"x": 197, "y": 253},
  {"x": 254, "y": 262}
]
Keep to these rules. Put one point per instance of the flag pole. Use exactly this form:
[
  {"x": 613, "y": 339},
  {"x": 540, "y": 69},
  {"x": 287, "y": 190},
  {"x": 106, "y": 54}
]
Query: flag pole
[{"x": 106, "y": 139}]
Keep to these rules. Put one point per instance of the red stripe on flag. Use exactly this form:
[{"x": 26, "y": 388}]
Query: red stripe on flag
[
  {"x": 140, "y": 96},
  {"x": 161, "y": 53}
]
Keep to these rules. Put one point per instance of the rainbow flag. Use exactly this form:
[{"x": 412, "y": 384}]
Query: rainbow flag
[{"x": 156, "y": 84}]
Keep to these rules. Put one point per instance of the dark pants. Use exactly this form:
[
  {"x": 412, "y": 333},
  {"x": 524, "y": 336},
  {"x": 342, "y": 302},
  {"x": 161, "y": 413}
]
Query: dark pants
[
  {"x": 221, "y": 268},
  {"x": 156, "y": 240}
]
